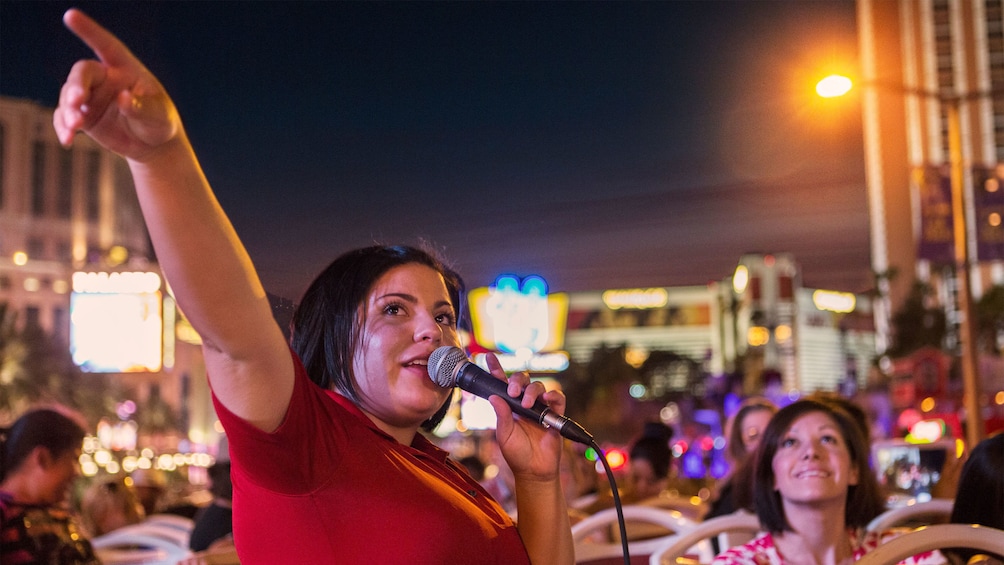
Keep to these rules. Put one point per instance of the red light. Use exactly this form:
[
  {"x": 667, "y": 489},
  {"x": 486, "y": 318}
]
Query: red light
[
  {"x": 707, "y": 444},
  {"x": 617, "y": 458}
]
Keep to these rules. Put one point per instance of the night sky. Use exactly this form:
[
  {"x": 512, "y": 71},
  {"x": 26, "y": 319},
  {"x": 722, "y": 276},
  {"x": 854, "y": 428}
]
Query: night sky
[{"x": 599, "y": 145}]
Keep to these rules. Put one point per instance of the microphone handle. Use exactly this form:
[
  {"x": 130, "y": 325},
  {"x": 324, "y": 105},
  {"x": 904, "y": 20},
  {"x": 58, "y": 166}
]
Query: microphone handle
[{"x": 477, "y": 381}]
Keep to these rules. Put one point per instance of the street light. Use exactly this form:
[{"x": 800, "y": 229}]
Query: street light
[{"x": 837, "y": 85}]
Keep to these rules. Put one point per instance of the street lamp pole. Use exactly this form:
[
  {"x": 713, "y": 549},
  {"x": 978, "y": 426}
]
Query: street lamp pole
[
  {"x": 836, "y": 85},
  {"x": 969, "y": 361}
]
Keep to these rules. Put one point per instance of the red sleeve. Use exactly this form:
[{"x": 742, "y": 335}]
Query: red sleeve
[{"x": 296, "y": 457}]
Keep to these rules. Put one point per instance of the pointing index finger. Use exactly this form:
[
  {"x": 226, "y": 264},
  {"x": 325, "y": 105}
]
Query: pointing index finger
[{"x": 106, "y": 46}]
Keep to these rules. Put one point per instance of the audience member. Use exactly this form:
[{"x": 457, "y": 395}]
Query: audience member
[
  {"x": 216, "y": 521},
  {"x": 649, "y": 461},
  {"x": 109, "y": 504},
  {"x": 743, "y": 432},
  {"x": 150, "y": 486},
  {"x": 327, "y": 457},
  {"x": 980, "y": 496},
  {"x": 39, "y": 460},
  {"x": 814, "y": 492},
  {"x": 475, "y": 466},
  {"x": 579, "y": 477},
  {"x": 853, "y": 409}
]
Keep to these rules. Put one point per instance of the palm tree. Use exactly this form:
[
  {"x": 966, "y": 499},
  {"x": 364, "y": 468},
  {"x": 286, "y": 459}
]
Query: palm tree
[{"x": 36, "y": 368}]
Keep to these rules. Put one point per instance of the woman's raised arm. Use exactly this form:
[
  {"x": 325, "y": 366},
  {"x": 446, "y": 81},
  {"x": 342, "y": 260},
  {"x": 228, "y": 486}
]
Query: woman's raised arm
[{"x": 120, "y": 104}]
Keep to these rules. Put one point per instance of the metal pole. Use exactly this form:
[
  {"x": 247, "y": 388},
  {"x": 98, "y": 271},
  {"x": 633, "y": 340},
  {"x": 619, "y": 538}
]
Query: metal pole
[{"x": 967, "y": 333}]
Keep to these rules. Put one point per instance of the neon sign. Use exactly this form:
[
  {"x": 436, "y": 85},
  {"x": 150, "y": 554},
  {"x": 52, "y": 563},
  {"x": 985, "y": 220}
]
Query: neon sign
[{"x": 519, "y": 316}]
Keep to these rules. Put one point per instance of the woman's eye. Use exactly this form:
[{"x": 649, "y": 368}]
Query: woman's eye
[
  {"x": 787, "y": 442},
  {"x": 445, "y": 319},
  {"x": 830, "y": 439},
  {"x": 392, "y": 309}
]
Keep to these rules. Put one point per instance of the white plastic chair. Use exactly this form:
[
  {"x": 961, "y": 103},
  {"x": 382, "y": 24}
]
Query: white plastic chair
[
  {"x": 731, "y": 529},
  {"x": 587, "y": 550},
  {"x": 936, "y": 510},
  {"x": 690, "y": 506},
  {"x": 938, "y": 536},
  {"x": 162, "y": 539}
]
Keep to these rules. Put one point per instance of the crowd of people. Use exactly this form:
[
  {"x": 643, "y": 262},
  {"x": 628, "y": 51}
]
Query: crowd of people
[{"x": 326, "y": 456}]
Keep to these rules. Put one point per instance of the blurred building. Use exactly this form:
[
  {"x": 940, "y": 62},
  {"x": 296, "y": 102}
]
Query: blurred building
[
  {"x": 809, "y": 339},
  {"x": 916, "y": 57},
  {"x": 76, "y": 261}
]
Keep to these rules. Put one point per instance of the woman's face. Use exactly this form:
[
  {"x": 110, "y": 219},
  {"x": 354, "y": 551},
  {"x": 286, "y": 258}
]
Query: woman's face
[
  {"x": 646, "y": 483},
  {"x": 812, "y": 463},
  {"x": 407, "y": 315},
  {"x": 752, "y": 428},
  {"x": 59, "y": 476}
]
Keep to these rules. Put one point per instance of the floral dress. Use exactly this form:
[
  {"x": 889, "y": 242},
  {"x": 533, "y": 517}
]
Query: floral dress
[
  {"x": 40, "y": 535},
  {"x": 762, "y": 551}
]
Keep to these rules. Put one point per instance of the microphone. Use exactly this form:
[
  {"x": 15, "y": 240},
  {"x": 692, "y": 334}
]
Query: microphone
[{"x": 449, "y": 367}]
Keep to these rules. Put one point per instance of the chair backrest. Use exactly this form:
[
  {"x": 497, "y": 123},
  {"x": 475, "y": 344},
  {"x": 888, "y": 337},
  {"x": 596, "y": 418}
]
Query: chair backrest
[
  {"x": 938, "y": 536},
  {"x": 604, "y": 522},
  {"x": 690, "y": 506},
  {"x": 936, "y": 510},
  {"x": 697, "y": 539},
  {"x": 159, "y": 540}
]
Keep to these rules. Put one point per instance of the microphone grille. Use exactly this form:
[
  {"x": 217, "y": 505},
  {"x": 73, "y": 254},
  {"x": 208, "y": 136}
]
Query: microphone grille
[{"x": 443, "y": 365}]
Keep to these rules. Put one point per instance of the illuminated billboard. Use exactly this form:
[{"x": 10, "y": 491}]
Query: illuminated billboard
[
  {"x": 519, "y": 315},
  {"x": 115, "y": 322}
]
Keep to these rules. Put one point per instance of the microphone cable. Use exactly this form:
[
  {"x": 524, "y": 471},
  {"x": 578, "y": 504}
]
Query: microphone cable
[{"x": 617, "y": 500}]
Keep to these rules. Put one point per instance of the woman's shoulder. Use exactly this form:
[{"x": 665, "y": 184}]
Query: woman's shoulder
[
  {"x": 759, "y": 551},
  {"x": 869, "y": 540}
]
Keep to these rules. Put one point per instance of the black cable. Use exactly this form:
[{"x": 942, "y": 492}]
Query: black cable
[{"x": 617, "y": 501}]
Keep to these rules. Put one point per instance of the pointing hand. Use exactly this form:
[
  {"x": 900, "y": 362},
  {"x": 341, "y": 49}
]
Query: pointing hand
[{"x": 114, "y": 99}]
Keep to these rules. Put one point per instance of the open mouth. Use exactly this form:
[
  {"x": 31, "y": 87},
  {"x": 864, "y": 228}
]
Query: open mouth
[{"x": 813, "y": 474}]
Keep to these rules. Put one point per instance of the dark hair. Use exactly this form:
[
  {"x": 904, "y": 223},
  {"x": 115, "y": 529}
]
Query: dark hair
[
  {"x": 221, "y": 485},
  {"x": 735, "y": 447},
  {"x": 42, "y": 427},
  {"x": 653, "y": 446},
  {"x": 847, "y": 405},
  {"x": 864, "y": 500},
  {"x": 980, "y": 497},
  {"x": 327, "y": 326}
]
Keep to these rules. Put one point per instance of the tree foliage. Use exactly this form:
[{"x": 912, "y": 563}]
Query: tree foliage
[
  {"x": 919, "y": 322},
  {"x": 36, "y": 368},
  {"x": 990, "y": 320}
]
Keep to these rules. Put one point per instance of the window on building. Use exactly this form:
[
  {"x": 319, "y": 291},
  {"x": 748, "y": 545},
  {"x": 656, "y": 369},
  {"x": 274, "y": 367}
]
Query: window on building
[
  {"x": 93, "y": 196},
  {"x": 36, "y": 248},
  {"x": 128, "y": 217},
  {"x": 38, "y": 179},
  {"x": 32, "y": 317},
  {"x": 995, "y": 47},
  {"x": 3, "y": 162},
  {"x": 5, "y": 283},
  {"x": 64, "y": 194},
  {"x": 64, "y": 252},
  {"x": 60, "y": 326}
]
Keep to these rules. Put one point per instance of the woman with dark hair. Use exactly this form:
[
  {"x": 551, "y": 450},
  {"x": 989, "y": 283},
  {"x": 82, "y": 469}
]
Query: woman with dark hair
[
  {"x": 649, "y": 459},
  {"x": 744, "y": 430},
  {"x": 980, "y": 497},
  {"x": 327, "y": 461},
  {"x": 39, "y": 460},
  {"x": 813, "y": 491}
]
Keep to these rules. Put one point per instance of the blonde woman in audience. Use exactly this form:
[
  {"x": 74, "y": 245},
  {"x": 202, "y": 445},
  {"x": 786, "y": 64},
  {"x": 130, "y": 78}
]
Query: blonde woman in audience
[{"x": 109, "y": 504}]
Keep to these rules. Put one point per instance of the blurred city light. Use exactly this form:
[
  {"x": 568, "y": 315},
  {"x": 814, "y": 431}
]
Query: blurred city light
[{"x": 833, "y": 86}]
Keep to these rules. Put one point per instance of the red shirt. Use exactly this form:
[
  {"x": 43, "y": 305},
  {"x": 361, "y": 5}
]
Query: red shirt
[{"x": 329, "y": 487}]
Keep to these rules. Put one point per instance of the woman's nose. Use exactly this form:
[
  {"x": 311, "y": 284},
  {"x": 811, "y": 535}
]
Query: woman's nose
[
  {"x": 429, "y": 329},
  {"x": 811, "y": 450}
]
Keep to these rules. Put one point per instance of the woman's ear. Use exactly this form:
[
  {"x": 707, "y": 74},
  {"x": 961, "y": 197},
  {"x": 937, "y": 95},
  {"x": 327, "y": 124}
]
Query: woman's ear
[{"x": 41, "y": 457}]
